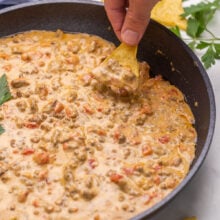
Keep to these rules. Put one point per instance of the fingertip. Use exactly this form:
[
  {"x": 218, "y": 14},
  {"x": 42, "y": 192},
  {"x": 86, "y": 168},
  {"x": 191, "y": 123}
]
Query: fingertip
[{"x": 130, "y": 37}]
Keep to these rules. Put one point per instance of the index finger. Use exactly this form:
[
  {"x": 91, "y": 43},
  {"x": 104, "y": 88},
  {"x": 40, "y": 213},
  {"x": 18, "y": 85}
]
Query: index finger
[
  {"x": 136, "y": 20},
  {"x": 116, "y": 11}
]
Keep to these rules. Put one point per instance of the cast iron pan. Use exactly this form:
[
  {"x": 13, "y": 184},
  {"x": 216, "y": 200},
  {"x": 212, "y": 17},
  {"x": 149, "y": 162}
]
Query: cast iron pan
[{"x": 166, "y": 54}]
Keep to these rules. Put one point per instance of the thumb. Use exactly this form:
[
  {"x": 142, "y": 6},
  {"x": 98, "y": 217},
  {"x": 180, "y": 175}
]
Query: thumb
[{"x": 136, "y": 20}]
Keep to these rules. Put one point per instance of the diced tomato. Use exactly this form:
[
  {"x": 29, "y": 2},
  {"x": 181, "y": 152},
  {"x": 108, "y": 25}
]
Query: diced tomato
[
  {"x": 157, "y": 167},
  {"x": 116, "y": 135},
  {"x": 88, "y": 109},
  {"x": 115, "y": 177},
  {"x": 31, "y": 125},
  {"x": 147, "y": 199},
  {"x": 35, "y": 203},
  {"x": 41, "y": 158},
  {"x": 92, "y": 163},
  {"x": 28, "y": 151},
  {"x": 99, "y": 109},
  {"x": 101, "y": 132},
  {"x": 147, "y": 150},
  {"x": 128, "y": 170},
  {"x": 154, "y": 195},
  {"x": 164, "y": 139},
  {"x": 157, "y": 180}
]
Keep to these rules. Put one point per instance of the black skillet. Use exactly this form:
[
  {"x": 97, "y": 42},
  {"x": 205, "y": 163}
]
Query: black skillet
[{"x": 166, "y": 54}]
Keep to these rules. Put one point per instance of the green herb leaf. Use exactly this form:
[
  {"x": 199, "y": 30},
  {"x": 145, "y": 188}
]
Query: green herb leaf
[
  {"x": 200, "y": 7},
  {"x": 2, "y": 130},
  {"x": 5, "y": 94},
  {"x": 217, "y": 51},
  {"x": 198, "y": 17},
  {"x": 206, "y": 16},
  {"x": 192, "y": 45},
  {"x": 193, "y": 27},
  {"x": 202, "y": 44},
  {"x": 217, "y": 48},
  {"x": 209, "y": 57},
  {"x": 176, "y": 31}
]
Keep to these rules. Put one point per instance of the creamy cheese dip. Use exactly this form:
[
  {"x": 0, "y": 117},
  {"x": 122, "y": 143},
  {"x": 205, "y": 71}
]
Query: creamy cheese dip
[{"x": 74, "y": 150}]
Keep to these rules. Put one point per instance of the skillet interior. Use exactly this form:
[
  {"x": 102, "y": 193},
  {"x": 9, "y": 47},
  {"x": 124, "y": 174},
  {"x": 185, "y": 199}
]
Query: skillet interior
[{"x": 166, "y": 54}]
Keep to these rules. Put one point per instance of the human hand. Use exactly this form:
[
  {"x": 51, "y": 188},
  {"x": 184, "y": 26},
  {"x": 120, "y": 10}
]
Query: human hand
[{"x": 129, "y": 24}]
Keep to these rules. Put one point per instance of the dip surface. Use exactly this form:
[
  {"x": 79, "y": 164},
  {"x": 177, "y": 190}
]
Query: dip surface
[{"x": 74, "y": 150}]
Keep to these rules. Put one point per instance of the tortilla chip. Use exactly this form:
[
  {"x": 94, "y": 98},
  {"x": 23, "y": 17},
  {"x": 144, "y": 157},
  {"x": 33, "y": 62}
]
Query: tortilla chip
[
  {"x": 167, "y": 12},
  {"x": 191, "y": 218},
  {"x": 126, "y": 56}
]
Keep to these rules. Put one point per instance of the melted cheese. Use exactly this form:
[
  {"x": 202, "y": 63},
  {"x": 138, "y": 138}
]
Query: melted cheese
[{"x": 74, "y": 150}]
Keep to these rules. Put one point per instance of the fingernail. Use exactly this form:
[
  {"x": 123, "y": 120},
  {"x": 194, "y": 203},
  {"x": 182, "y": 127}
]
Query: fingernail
[{"x": 130, "y": 37}]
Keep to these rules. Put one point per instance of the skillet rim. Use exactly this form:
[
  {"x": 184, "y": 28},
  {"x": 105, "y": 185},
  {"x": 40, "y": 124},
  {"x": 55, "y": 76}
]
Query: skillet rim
[{"x": 199, "y": 161}]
